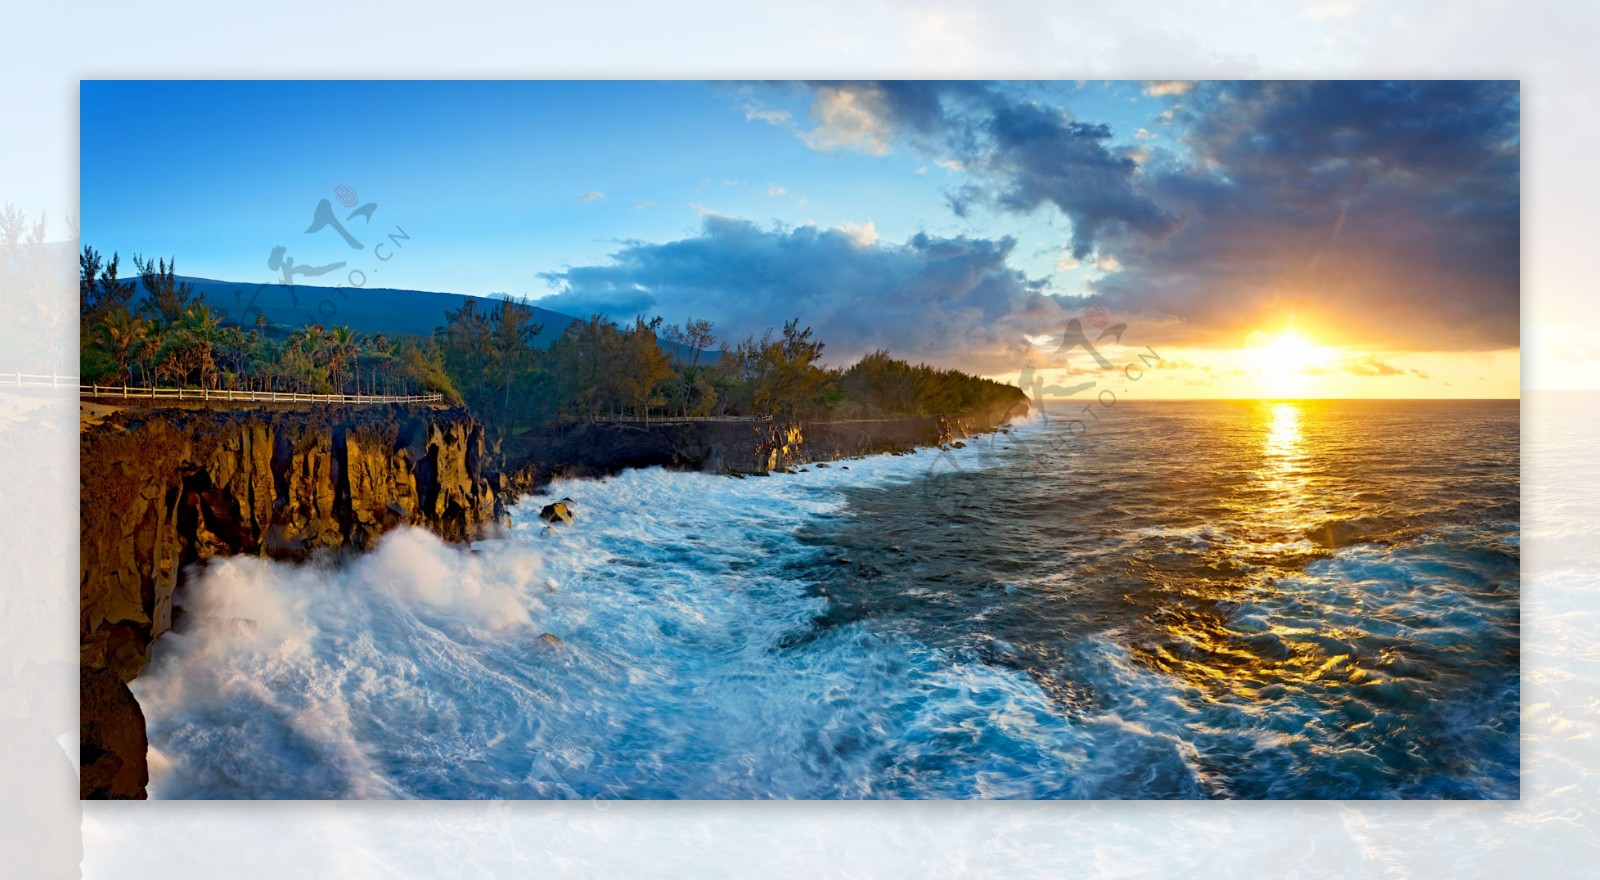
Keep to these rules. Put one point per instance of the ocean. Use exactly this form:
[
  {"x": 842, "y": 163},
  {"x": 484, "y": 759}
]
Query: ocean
[{"x": 1152, "y": 600}]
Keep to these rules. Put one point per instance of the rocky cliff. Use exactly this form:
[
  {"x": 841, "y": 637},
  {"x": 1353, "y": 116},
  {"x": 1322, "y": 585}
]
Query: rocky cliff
[
  {"x": 731, "y": 447},
  {"x": 163, "y": 489}
]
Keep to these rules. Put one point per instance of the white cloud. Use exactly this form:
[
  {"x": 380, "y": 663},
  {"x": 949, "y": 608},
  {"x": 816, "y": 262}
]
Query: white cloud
[
  {"x": 774, "y": 190},
  {"x": 861, "y": 234},
  {"x": 1167, "y": 87},
  {"x": 755, "y": 112},
  {"x": 1108, "y": 263},
  {"x": 703, "y": 211},
  {"x": 846, "y": 121},
  {"x": 1143, "y": 135},
  {"x": 593, "y": 195}
]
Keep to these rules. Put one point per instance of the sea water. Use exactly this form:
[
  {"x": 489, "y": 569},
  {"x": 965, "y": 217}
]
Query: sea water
[{"x": 1149, "y": 600}]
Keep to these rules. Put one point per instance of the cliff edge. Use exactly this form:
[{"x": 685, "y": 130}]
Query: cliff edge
[{"x": 163, "y": 489}]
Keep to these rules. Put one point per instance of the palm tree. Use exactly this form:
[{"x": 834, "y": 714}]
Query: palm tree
[
  {"x": 199, "y": 330},
  {"x": 122, "y": 333},
  {"x": 343, "y": 345}
]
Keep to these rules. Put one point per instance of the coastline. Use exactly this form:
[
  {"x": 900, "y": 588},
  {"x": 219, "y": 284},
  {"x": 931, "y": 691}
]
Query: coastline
[{"x": 163, "y": 490}]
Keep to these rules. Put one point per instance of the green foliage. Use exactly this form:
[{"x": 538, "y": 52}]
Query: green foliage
[
  {"x": 100, "y": 292},
  {"x": 165, "y": 296},
  {"x": 485, "y": 357}
]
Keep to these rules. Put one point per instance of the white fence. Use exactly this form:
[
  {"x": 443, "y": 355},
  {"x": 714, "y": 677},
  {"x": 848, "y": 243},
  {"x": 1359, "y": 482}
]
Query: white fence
[{"x": 127, "y": 392}]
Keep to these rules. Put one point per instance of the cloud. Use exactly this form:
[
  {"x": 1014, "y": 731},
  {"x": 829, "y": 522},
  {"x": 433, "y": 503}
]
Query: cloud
[
  {"x": 1168, "y": 87},
  {"x": 1379, "y": 214},
  {"x": 756, "y": 112},
  {"x": 1376, "y": 214},
  {"x": 593, "y": 195},
  {"x": 847, "y": 118},
  {"x": 775, "y": 190},
  {"x": 1370, "y": 365},
  {"x": 1144, "y": 135},
  {"x": 640, "y": 206},
  {"x": 1019, "y": 155},
  {"x": 951, "y": 301},
  {"x": 863, "y": 234}
]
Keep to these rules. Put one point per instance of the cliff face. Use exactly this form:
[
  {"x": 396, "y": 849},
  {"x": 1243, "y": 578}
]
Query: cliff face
[
  {"x": 165, "y": 488},
  {"x": 597, "y": 449},
  {"x": 162, "y": 489}
]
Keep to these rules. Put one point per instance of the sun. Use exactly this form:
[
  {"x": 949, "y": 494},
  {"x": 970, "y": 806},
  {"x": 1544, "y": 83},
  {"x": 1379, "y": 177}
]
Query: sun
[{"x": 1287, "y": 361}]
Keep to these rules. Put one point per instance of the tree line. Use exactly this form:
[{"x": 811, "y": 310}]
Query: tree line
[
  {"x": 171, "y": 337},
  {"x": 486, "y": 356},
  {"x": 598, "y": 368}
]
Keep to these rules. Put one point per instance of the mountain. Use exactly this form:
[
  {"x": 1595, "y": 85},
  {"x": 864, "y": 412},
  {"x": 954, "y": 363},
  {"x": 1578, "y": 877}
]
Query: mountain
[{"x": 368, "y": 310}]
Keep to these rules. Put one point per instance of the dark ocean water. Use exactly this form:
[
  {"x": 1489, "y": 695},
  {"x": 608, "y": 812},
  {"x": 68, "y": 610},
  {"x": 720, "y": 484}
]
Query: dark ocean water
[
  {"x": 1311, "y": 599},
  {"x": 1177, "y": 600}
]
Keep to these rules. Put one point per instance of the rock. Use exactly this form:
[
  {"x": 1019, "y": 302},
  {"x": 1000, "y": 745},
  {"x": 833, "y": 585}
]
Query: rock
[
  {"x": 165, "y": 489},
  {"x": 557, "y": 512},
  {"x": 111, "y": 738},
  {"x": 822, "y": 464},
  {"x": 551, "y": 639},
  {"x": 959, "y": 445}
]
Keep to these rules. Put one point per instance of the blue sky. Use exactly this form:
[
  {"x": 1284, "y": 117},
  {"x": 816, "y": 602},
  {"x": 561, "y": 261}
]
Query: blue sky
[
  {"x": 963, "y": 223},
  {"x": 488, "y": 177}
]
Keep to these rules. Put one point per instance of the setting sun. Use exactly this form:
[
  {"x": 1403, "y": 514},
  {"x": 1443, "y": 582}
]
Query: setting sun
[{"x": 1286, "y": 361}]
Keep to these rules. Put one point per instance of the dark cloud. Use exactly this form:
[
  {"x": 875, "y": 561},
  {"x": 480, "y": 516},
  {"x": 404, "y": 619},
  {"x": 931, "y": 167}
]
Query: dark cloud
[
  {"x": 1035, "y": 155},
  {"x": 1020, "y": 154},
  {"x": 952, "y": 301},
  {"x": 1378, "y": 213},
  {"x": 1388, "y": 212}
]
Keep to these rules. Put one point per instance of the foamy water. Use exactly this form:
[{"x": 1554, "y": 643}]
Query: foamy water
[{"x": 920, "y": 626}]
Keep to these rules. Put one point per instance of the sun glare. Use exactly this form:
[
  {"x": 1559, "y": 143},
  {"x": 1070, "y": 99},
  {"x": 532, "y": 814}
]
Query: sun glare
[{"x": 1286, "y": 362}]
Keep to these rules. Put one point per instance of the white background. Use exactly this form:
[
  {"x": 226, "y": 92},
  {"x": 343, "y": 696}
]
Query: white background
[{"x": 45, "y": 50}]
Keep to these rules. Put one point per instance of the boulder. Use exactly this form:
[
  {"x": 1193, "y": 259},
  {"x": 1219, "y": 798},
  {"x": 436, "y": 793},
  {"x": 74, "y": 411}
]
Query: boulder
[{"x": 557, "y": 512}]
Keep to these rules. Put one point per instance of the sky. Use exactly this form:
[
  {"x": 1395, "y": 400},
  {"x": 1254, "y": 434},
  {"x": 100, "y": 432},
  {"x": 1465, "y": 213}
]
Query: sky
[{"x": 1219, "y": 239}]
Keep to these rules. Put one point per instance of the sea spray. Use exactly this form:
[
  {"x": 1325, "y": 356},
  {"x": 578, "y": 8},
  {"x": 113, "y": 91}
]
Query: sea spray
[{"x": 1126, "y": 614}]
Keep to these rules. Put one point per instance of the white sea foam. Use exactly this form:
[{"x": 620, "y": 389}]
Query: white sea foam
[{"x": 427, "y": 670}]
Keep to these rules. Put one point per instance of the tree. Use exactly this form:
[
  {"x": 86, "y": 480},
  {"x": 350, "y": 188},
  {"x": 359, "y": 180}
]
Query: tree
[
  {"x": 511, "y": 334},
  {"x": 100, "y": 291},
  {"x": 782, "y": 373},
  {"x": 465, "y": 343},
  {"x": 343, "y": 346},
  {"x": 695, "y": 393},
  {"x": 643, "y": 367},
  {"x": 121, "y": 335},
  {"x": 165, "y": 296}
]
